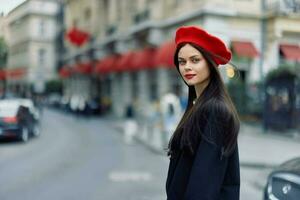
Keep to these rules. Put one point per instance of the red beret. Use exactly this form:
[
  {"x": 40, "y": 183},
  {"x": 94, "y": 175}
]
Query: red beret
[{"x": 215, "y": 46}]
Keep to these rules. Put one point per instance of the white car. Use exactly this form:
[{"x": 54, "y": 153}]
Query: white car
[{"x": 18, "y": 119}]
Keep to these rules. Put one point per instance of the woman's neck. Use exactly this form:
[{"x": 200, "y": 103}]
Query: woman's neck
[{"x": 199, "y": 88}]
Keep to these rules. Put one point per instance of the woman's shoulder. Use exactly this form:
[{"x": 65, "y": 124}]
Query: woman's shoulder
[
  {"x": 215, "y": 122},
  {"x": 215, "y": 108},
  {"x": 216, "y": 117}
]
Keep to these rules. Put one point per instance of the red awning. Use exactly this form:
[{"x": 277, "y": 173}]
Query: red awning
[
  {"x": 65, "y": 72},
  {"x": 144, "y": 59},
  {"x": 84, "y": 68},
  {"x": 165, "y": 54},
  {"x": 106, "y": 64},
  {"x": 244, "y": 49},
  {"x": 2, "y": 74},
  {"x": 290, "y": 51},
  {"x": 16, "y": 73},
  {"x": 125, "y": 62}
]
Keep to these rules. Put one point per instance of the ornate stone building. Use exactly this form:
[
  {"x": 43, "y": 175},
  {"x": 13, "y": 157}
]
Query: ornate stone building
[{"x": 129, "y": 51}]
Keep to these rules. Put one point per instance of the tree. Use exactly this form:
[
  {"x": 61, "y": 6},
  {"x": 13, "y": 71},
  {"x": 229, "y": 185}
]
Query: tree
[
  {"x": 282, "y": 71},
  {"x": 3, "y": 53}
]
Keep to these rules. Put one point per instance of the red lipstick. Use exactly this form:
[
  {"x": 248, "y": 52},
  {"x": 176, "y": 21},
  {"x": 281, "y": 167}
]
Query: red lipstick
[{"x": 189, "y": 76}]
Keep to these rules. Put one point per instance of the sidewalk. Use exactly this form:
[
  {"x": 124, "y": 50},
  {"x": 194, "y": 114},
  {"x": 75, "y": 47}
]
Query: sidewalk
[
  {"x": 256, "y": 148},
  {"x": 260, "y": 149}
]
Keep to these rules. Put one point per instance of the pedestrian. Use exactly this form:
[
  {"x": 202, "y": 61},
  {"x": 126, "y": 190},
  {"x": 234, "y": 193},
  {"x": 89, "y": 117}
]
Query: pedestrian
[
  {"x": 203, "y": 150},
  {"x": 130, "y": 126}
]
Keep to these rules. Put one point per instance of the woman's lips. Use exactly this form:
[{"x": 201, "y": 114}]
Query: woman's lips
[{"x": 189, "y": 76}]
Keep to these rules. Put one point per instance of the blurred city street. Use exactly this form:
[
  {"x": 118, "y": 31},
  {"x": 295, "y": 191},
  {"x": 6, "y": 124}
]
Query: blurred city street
[
  {"x": 87, "y": 158},
  {"x": 78, "y": 159},
  {"x": 91, "y": 92}
]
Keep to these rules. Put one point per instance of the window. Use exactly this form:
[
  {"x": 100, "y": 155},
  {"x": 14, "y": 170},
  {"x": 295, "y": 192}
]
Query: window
[
  {"x": 87, "y": 14},
  {"x": 134, "y": 85},
  {"x": 75, "y": 22},
  {"x": 41, "y": 56},
  {"x": 42, "y": 28},
  {"x": 105, "y": 4},
  {"x": 153, "y": 87},
  {"x": 176, "y": 3},
  {"x": 119, "y": 11}
]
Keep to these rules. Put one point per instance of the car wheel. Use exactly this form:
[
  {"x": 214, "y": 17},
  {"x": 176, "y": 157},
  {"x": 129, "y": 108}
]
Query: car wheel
[
  {"x": 36, "y": 130},
  {"x": 24, "y": 135}
]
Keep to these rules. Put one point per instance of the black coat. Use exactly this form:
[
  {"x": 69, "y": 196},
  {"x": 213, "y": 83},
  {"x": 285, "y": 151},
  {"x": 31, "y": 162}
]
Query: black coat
[{"x": 206, "y": 175}]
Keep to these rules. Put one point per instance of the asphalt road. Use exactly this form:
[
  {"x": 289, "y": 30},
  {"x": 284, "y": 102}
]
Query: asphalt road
[
  {"x": 76, "y": 158},
  {"x": 87, "y": 159}
]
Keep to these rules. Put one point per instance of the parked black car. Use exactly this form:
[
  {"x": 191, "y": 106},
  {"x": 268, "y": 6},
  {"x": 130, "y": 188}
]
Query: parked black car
[
  {"x": 18, "y": 119},
  {"x": 284, "y": 182}
]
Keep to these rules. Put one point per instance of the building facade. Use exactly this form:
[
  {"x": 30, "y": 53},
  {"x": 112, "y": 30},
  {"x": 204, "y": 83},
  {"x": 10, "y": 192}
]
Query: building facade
[
  {"x": 32, "y": 31},
  {"x": 2, "y": 56},
  {"x": 2, "y": 25},
  {"x": 257, "y": 31}
]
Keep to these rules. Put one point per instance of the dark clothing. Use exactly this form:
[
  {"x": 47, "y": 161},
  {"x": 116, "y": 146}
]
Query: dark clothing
[
  {"x": 205, "y": 175},
  {"x": 129, "y": 111}
]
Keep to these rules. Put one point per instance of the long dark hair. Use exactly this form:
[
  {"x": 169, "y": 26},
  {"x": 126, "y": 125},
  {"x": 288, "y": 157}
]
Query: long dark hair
[{"x": 214, "y": 106}]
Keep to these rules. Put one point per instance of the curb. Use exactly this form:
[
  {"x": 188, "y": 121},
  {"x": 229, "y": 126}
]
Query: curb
[{"x": 257, "y": 165}]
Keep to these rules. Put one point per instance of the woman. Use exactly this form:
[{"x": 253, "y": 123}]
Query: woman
[{"x": 204, "y": 160}]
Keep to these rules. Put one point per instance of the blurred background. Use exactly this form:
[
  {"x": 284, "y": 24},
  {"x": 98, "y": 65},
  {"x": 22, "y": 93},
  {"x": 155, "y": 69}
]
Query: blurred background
[{"x": 90, "y": 95}]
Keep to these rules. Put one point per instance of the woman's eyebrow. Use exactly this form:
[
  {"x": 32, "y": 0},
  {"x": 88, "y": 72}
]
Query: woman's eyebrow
[{"x": 193, "y": 56}]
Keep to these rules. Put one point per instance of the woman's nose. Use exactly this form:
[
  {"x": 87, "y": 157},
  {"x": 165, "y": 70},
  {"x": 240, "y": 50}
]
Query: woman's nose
[{"x": 187, "y": 66}]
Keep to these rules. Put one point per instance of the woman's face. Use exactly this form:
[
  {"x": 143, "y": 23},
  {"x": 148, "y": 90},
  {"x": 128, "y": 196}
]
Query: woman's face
[{"x": 192, "y": 66}]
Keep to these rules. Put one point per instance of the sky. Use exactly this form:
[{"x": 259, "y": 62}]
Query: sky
[{"x": 8, "y": 5}]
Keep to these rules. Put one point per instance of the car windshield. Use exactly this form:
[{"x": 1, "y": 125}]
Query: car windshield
[{"x": 8, "y": 110}]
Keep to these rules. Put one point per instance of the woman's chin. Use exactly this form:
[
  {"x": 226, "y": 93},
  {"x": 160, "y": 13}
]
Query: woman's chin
[{"x": 190, "y": 83}]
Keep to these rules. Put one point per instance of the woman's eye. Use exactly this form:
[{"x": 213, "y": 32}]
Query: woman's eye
[
  {"x": 195, "y": 60},
  {"x": 181, "y": 62}
]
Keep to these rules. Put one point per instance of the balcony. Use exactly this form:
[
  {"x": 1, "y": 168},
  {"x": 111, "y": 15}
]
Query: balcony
[
  {"x": 284, "y": 7},
  {"x": 33, "y": 7}
]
